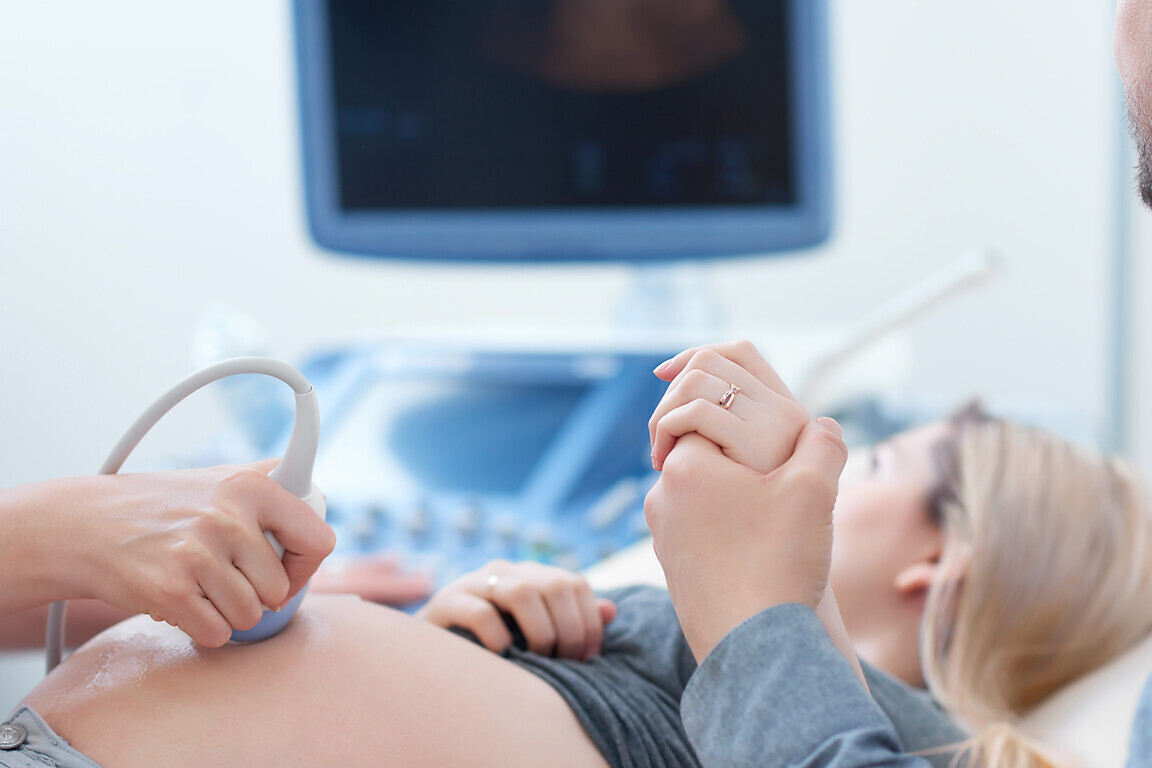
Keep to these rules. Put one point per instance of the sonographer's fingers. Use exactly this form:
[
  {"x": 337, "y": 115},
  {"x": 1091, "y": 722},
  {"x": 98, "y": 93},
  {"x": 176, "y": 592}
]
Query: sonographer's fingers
[
  {"x": 306, "y": 539},
  {"x": 188, "y": 546},
  {"x": 198, "y": 618},
  {"x": 232, "y": 594}
]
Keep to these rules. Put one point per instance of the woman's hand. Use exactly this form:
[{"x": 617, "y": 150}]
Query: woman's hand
[
  {"x": 378, "y": 578},
  {"x": 741, "y": 516},
  {"x": 760, "y": 424},
  {"x": 556, "y": 610},
  {"x": 733, "y": 541},
  {"x": 186, "y": 547}
]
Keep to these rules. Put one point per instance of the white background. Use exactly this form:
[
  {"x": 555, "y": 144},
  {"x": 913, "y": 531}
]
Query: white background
[{"x": 149, "y": 168}]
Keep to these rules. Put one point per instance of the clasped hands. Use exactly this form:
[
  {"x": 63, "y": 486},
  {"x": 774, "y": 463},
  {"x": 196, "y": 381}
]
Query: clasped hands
[{"x": 741, "y": 516}]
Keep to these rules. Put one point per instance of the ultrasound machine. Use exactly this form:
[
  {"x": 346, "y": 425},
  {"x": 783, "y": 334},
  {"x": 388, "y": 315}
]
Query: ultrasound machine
[{"x": 639, "y": 132}]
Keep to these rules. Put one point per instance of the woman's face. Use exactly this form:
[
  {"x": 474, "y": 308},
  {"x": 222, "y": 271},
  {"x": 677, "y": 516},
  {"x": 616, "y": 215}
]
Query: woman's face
[{"x": 884, "y": 529}]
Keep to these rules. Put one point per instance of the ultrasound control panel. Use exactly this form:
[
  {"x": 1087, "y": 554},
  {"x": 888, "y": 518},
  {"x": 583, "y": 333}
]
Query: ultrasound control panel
[{"x": 453, "y": 457}]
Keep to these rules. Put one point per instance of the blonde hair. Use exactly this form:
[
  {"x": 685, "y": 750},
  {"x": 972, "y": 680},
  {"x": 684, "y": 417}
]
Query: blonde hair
[{"x": 1044, "y": 577}]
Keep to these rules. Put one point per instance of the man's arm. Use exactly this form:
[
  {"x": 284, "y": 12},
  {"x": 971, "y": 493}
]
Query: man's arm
[{"x": 776, "y": 692}]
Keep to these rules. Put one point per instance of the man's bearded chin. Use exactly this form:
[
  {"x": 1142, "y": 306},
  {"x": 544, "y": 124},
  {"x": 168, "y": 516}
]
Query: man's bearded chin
[{"x": 1140, "y": 127}]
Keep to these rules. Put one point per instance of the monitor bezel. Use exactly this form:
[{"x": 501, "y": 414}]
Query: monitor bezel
[{"x": 632, "y": 235}]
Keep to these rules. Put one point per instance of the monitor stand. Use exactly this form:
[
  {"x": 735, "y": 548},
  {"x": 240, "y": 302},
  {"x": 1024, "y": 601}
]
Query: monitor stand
[{"x": 671, "y": 303}]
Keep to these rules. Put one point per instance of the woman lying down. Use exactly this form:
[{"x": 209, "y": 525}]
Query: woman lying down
[{"x": 978, "y": 567}]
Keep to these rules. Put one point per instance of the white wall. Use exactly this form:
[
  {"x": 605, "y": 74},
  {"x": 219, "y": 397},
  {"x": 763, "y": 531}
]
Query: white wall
[{"x": 148, "y": 167}]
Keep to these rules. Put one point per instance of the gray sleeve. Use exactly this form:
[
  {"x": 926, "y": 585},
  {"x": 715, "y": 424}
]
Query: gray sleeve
[{"x": 775, "y": 692}]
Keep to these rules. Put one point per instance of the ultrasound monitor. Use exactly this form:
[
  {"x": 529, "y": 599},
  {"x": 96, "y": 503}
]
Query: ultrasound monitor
[{"x": 568, "y": 130}]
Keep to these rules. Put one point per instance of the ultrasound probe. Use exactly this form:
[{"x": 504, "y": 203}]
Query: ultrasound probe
[{"x": 293, "y": 473}]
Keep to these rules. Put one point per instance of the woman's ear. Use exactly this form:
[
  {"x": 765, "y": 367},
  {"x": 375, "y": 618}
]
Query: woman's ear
[{"x": 915, "y": 580}]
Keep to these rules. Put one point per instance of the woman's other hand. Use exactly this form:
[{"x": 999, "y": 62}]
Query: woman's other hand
[
  {"x": 556, "y": 610},
  {"x": 379, "y": 578}
]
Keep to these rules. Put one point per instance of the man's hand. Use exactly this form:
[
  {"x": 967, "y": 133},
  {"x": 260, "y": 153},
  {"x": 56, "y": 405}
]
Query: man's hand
[{"x": 733, "y": 541}]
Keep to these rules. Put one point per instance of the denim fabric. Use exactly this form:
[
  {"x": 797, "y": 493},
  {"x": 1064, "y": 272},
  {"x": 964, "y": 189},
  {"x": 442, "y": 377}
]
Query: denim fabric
[
  {"x": 775, "y": 692},
  {"x": 42, "y": 748}
]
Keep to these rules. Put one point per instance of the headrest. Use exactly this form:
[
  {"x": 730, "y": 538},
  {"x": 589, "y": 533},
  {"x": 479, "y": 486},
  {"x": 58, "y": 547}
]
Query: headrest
[{"x": 1090, "y": 720}]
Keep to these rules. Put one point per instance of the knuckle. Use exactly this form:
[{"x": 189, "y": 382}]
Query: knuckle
[
  {"x": 651, "y": 508},
  {"x": 810, "y": 481},
  {"x": 242, "y": 481},
  {"x": 521, "y": 592},
  {"x": 498, "y": 566},
  {"x": 676, "y": 467},
  {"x": 795, "y": 414},
  {"x": 212, "y": 636},
  {"x": 696, "y": 378},
  {"x": 475, "y": 613},
  {"x": 743, "y": 347},
  {"x": 556, "y": 587},
  {"x": 278, "y": 589},
  {"x": 327, "y": 542},
  {"x": 707, "y": 356},
  {"x": 544, "y": 640},
  {"x": 190, "y": 555},
  {"x": 582, "y": 588},
  {"x": 215, "y": 524},
  {"x": 697, "y": 409},
  {"x": 249, "y": 615},
  {"x": 166, "y": 597}
]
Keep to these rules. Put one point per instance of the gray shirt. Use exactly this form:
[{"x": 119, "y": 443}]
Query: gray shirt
[{"x": 774, "y": 691}]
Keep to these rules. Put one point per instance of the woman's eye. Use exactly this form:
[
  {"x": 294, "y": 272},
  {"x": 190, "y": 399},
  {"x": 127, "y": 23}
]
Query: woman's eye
[{"x": 873, "y": 462}]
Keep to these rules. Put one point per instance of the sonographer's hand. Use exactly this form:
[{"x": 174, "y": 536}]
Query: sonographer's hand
[
  {"x": 556, "y": 610},
  {"x": 186, "y": 547},
  {"x": 729, "y": 394}
]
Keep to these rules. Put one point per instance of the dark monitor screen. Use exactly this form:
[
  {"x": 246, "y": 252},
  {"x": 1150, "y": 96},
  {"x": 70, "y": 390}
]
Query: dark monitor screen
[{"x": 564, "y": 129}]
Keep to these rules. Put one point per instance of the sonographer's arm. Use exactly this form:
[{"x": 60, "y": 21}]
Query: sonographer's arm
[
  {"x": 185, "y": 546},
  {"x": 86, "y": 618}
]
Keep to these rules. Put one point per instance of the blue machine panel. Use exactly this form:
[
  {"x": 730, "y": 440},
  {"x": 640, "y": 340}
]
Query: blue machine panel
[{"x": 453, "y": 458}]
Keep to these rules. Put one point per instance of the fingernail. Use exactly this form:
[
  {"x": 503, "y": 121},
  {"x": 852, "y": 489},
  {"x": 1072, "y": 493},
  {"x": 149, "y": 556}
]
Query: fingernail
[
  {"x": 662, "y": 367},
  {"x": 831, "y": 425}
]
